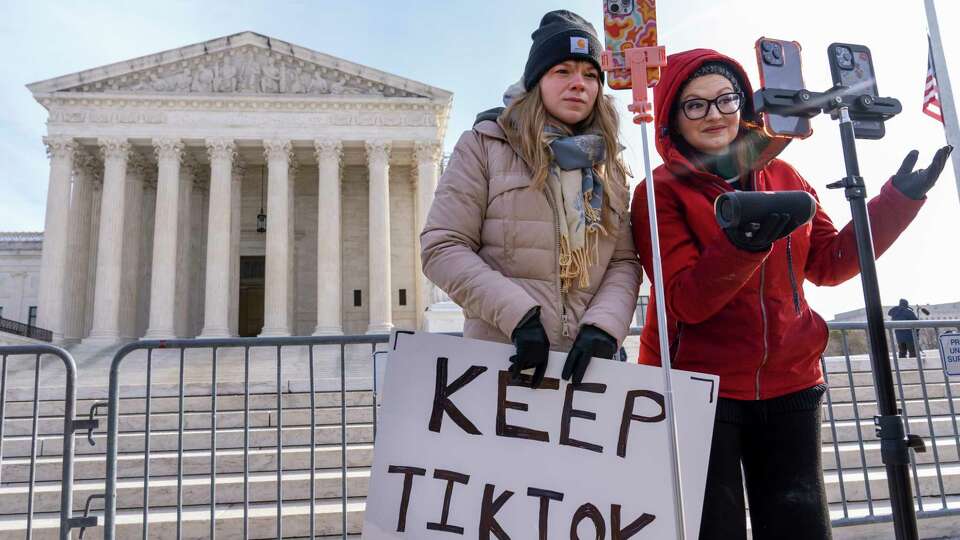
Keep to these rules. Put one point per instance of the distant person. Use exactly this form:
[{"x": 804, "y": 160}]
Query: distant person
[{"x": 905, "y": 343}]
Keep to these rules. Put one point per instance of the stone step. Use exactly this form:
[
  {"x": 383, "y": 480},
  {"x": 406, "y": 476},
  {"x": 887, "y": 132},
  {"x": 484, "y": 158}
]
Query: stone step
[
  {"x": 162, "y": 463},
  {"x": 915, "y": 408},
  {"x": 850, "y": 458},
  {"x": 261, "y": 487},
  {"x": 865, "y": 378},
  {"x": 196, "y": 521},
  {"x": 847, "y": 430},
  {"x": 927, "y": 478},
  {"x": 843, "y": 394},
  {"x": 197, "y": 439},
  {"x": 194, "y": 403},
  {"x": 134, "y": 422}
]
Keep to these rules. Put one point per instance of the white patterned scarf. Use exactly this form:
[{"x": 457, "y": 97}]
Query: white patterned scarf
[{"x": 578, "y": 197}]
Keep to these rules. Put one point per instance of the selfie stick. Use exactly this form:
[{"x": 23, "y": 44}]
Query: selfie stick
[
  {"x": 638, "y": 59},
  {"x": 895, "y": 443}
]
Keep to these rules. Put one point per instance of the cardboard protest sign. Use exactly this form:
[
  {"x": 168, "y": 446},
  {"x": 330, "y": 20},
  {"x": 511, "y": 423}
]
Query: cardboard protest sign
[{"x": 462, "y": 451}]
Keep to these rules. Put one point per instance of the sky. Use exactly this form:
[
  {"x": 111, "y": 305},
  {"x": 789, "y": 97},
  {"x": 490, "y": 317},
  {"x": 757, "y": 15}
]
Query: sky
[{"x": 476, "y": 49}]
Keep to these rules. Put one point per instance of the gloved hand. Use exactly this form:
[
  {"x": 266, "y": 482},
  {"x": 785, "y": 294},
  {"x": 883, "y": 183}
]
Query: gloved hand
[
  {"x": 916, "y": 184},
  {"x": 532, "y": 345},
  {"x": 759, "y": 236},
  {"x": 590, "y": 342}
]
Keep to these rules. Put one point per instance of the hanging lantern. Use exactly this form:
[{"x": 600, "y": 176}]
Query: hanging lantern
[{"x": 261, "y": 217}]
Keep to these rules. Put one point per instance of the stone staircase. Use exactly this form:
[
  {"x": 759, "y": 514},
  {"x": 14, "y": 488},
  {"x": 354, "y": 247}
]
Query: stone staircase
[
  {"x": 262, "y": 459},
  {"x": 854, "y": 472},
  {"x": 850, "y": 473}
]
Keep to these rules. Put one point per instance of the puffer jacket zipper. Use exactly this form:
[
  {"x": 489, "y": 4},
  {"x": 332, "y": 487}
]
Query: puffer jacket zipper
[
  {"x": 763, "y": 320},
  {"x": 564, "y": 330}
]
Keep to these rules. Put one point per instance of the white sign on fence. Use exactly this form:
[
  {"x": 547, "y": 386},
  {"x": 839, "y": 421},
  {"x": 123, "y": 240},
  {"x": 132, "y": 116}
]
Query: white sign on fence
[
  {"x": 950, "y": 352},
  {"x": 461, "y": 450}
]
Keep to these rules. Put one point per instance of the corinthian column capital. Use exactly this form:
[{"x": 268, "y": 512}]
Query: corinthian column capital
[
  {"x": 168, "y": 149},
  {"x": 328, "y": 149},
  {"x": 378, "y": 151},
  {"x": 60, "y": 147},
  {"x": 426, "y": 151},
  {"x": 278, "y": 149},
  {"x": 111, "y": 148},
  {"x": 221, "y": 149}
]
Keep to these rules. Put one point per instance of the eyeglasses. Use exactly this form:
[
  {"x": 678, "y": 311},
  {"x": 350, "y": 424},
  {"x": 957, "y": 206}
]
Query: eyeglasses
[{"x": 697, "y": 108}]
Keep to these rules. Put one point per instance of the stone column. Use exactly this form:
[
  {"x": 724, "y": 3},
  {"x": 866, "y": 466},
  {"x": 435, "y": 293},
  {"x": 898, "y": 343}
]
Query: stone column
[
  {"x": 163, "y": 281},
  {"x": 381, "y": 293},
  {"x": 81, "y": 210},
  {"x": 106, "y": 299},
  {"x": 216, "y": 310},
  {"x": 53, "y": 258},
  {"x": 236, "y": 205},
  {"x": 276, "y": 309},
  {"x": 185, "y": 239},
  {"x": 132, "y": 282},
  {"x": 427, "y": 155},
  {"x": 329, "y": 277}
]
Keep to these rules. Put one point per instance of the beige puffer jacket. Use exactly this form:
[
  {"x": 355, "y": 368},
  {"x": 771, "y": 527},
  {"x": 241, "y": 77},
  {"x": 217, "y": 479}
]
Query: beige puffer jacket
[{"x": 491, "y": 243}]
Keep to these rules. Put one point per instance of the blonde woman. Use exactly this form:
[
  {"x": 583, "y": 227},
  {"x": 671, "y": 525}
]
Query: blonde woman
[{"x": 529, "y": 230}]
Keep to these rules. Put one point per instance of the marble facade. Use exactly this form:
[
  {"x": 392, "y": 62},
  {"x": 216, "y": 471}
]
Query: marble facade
[{"x": 160, "y": 165}]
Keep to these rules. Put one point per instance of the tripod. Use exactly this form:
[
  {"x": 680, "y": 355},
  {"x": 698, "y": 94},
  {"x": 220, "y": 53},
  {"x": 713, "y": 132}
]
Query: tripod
[{"x": 895, "y": 443}]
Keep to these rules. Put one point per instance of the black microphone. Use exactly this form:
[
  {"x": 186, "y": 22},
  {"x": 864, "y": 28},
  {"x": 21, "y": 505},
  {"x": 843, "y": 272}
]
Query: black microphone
[{"x": 739, "y": 207}]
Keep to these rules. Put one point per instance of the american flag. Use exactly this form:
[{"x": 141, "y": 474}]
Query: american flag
[{"x": 931, "y": 100}]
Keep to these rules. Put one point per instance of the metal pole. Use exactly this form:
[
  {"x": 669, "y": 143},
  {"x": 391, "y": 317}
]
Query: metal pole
[
  {"x": 677, "y": 487},
  {"x": 947, "y": 106},
  {"x": 898, "y": 475}
]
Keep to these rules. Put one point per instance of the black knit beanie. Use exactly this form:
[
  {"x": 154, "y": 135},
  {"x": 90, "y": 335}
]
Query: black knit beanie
[
  {"x": 562, "y": 35},
  {"x": 715, "y": 68}
]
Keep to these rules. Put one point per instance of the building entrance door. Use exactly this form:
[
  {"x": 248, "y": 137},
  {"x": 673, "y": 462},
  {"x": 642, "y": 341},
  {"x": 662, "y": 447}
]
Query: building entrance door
[{"x": 251, "y": 296}]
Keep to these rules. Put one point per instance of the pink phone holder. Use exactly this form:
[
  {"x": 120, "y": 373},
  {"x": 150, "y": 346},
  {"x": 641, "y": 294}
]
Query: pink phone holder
[{"x": 637, "y": 60}]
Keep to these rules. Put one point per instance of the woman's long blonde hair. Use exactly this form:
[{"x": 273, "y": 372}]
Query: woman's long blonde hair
[{"x": 526, "y": 117}]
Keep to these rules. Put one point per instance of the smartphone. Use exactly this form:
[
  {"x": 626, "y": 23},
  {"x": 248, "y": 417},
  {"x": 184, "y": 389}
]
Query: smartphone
[
  {"x": 627, "y": 24},
  {"x": 780, "y": 68},
  {"x": 852, "y": 66}
]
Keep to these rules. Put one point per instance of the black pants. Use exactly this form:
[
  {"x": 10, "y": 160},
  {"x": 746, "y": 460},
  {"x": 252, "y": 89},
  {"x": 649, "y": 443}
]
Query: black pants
[
  {"x": 780, "y": 455},
  {"x": 907, "y": 346}
]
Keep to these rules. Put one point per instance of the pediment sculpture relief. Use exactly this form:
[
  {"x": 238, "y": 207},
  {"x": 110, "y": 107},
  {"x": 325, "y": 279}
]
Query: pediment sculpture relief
[{"x": 248, "y": 70}]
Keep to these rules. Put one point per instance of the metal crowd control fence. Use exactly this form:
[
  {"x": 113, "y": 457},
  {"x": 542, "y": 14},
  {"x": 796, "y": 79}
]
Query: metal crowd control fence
[
  {"x": 22, "y": 355},
  {"x": 193, "y": 425},
  {"x": 218, "y": 349},
  {"x": 853, "y": 471}
]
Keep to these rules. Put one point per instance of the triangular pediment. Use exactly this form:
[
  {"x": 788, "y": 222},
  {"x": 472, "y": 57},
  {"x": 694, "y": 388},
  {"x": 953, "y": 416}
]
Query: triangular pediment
[{"x": 241, "y": 64}]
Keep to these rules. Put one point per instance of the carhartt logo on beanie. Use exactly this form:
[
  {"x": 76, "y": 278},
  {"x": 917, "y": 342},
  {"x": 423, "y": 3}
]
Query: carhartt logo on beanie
[{"x": 562, "y": 35}]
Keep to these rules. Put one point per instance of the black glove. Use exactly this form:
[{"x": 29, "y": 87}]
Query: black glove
[
  {"x": 533, "y": 347},
  {"x": 590, "y": 342},
  {"x": 759, "y": 236},
  {"x": 916, "y": 184}
]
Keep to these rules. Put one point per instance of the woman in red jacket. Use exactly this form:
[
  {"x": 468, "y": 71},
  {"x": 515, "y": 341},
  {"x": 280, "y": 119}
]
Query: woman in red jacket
[{"x": 734, "y": 298}]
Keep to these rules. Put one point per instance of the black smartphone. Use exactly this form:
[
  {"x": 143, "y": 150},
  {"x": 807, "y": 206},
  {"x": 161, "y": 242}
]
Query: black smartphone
[
  {"x": 852, "y": 66},
  {"x": 780, "y": 68}
]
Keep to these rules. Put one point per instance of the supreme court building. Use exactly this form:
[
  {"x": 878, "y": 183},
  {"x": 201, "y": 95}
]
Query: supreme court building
[{"x": 241, "y": 186}]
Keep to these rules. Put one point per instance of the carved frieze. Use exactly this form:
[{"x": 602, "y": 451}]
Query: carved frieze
[{"x": 245, "y": 70}]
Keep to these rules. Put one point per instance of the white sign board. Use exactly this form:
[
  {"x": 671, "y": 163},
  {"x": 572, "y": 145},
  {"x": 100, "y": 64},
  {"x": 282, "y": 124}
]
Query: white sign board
[
  {"x": 950, "y": 352},
  {"x": 461, "y": 451}
]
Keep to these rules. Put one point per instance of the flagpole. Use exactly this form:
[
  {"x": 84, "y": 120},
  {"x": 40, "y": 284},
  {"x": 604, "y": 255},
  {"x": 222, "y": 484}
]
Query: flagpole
[{"x": 945, "y": 92}]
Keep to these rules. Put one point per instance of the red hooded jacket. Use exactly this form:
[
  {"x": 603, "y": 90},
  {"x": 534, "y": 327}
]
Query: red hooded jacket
[{"x": 732, "y": 312}]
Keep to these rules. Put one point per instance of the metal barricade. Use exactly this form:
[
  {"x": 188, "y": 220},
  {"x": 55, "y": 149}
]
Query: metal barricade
[
  {"x": 853, "y": 470},
  {"x": 38, "y": 354},
  {"x": 236, "y": 354}
]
